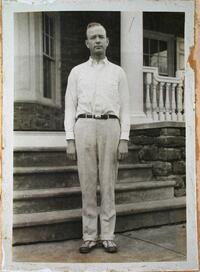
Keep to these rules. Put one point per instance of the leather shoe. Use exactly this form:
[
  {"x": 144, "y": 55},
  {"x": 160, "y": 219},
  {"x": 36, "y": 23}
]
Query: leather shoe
[
  {"x": 87, "y": 246},
  {"x": 109, "y": 246}
]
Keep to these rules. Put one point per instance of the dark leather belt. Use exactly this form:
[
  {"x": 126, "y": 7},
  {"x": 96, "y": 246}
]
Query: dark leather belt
[{"x": 104, "y": 116}]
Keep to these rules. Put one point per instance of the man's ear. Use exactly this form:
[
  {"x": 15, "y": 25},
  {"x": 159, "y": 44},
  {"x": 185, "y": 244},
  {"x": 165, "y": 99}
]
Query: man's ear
[
  {"x": 86, "y": 43},
  {"x": 107, "y": 41}
]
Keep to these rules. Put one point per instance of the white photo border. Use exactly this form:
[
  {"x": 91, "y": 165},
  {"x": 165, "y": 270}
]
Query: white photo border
[{"x": 9, "y": 9}]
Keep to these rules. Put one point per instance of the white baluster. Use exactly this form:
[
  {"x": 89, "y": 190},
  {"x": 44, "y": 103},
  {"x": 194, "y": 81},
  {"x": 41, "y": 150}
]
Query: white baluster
[
  {"x": 148, "y": 101},
  {"x": 154, "y": 101},
  {"x": 183, "y": 101},
  {"x": 167, "y": 103},
  {"x": 183, "y": 108},
  {"x": 179, "y": 102},
  {"x": 161, "y": 102},
  {"x": 173, "y": 102},
  {"x": 164, "y": 96}
]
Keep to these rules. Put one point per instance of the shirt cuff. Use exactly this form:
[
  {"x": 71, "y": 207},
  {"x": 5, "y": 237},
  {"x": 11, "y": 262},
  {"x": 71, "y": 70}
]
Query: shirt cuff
[
  {"x": 124, "y": 135},
  {"x": 70, "y": 136}
]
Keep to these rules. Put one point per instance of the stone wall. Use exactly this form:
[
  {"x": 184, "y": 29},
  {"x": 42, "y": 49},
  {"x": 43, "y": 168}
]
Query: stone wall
[
  {"x": 37, "y": 117},
  {"x": 163, "y": 145}
]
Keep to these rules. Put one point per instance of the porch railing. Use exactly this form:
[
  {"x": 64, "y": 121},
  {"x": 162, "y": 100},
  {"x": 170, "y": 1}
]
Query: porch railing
[{"x": 163, "y": 96}]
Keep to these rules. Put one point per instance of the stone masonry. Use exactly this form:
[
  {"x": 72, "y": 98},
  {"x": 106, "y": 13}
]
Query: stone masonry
[
  {"x": 163, "y": 145},
  {"x": 37, "y": 117}
]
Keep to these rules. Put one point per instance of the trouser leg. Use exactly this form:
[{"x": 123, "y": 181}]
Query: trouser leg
[
  {"x": 85, "y": 138},
  {"x": 108, "y": 135}
]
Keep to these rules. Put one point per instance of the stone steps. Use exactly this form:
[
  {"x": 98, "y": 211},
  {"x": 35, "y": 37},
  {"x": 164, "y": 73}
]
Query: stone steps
[
  {"x": 26, "y": 178},
  {"x": 66, "y": 224},
  {"x": 56, "y": 156},
  {"x": 47, "y": 196},
  {"x": 44, "y": 200}
]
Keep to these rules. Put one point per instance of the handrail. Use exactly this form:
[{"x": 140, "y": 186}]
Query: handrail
[
  {"x": 164, "y": 99},
  {"x": 159, "y": 78}
]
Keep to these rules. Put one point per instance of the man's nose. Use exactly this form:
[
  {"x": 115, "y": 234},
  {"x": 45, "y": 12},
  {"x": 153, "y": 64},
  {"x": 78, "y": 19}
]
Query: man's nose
[{"x": 97, "y": 40}]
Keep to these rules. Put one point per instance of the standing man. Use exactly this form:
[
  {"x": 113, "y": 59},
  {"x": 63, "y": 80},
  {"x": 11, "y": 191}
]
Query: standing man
[{"x": 97, "y": 132}]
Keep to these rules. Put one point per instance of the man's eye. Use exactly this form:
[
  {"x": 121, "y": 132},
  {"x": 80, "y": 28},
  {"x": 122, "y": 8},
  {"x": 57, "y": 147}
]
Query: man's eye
[{"x": 94, "y": 37}]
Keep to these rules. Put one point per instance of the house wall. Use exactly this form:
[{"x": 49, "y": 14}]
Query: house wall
[
  {"x": 125, "y": 31},
  {"x": 38, "y": 116}
]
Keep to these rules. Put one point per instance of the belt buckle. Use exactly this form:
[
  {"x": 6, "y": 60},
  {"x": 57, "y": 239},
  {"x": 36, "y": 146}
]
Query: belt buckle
[{"x": 97, "y": 116}]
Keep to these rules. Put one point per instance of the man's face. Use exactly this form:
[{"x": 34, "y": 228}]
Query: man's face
[{"x": 97, "y": 41}]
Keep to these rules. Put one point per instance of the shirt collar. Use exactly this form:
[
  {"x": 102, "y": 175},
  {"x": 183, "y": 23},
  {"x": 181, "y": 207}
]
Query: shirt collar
[{"x": 92, "y": 61}]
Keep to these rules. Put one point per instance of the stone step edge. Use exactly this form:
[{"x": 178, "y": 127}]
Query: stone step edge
[
  {"x": 60, "y": 192},
  {"x": 70, "y": 168},
  {"x": 55, "y": 217},
  {"x": 58, "y": 149}
]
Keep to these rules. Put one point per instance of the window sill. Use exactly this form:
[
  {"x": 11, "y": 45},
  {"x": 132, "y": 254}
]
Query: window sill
[{"x": 43, "y": 101}]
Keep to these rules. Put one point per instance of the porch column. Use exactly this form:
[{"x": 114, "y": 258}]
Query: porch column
[
  {"x": 132, "y": 61},
  {"x": 25, "y": 60}
]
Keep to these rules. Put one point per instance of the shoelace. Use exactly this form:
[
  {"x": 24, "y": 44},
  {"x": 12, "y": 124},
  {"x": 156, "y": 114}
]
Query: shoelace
[
  {"x": 108, "y": 244},
  {"x": 89, "y": 244}
]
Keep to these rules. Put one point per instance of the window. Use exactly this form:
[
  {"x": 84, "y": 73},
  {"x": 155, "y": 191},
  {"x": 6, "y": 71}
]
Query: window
[
  {"x": 48, "y": 27},
  {"x": 158, "y": 51},
  {"x": 155, "y": 54},
  {"x": 37, "y": 70}
]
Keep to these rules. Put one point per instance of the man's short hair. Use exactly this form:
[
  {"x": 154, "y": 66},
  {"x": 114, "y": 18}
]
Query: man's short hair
[{"x": 92, "y": 24}]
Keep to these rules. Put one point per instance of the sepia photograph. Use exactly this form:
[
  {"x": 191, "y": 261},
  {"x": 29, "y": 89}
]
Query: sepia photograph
[{"x": 99, "y": 137}]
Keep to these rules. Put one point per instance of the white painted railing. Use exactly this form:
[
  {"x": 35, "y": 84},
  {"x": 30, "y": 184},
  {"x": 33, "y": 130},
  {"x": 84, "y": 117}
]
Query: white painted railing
[{"x": 163, "y": 96}]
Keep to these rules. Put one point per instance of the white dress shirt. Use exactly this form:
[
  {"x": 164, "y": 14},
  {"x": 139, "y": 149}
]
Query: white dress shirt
[{"x": 97, "y": 88}]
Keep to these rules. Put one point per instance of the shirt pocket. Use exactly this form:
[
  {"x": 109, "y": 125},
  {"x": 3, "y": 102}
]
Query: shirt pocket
[
  {"x": 83, "y": 84},
  {"x": 85, "y": 90},
  {"x": 111, "y": 87}
]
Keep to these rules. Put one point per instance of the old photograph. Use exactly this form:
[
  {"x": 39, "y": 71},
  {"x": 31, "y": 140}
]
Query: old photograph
[
  {"x": 150, "y": 189},
  {"x": 100, "y": 137}
]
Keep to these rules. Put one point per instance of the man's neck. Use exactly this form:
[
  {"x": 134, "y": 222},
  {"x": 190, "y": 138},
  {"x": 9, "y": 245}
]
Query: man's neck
[{"x": 98, "y": 58}]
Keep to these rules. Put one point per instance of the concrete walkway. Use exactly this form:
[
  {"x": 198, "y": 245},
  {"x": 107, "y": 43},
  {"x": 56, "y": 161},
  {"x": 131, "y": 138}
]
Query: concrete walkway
[{"x": 166, "y": 243}]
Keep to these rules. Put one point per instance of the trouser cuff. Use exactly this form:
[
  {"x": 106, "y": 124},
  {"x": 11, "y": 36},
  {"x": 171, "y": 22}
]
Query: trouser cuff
[
  {"x": 104, "y": 237},
  {"x": 89, "y": 238}
]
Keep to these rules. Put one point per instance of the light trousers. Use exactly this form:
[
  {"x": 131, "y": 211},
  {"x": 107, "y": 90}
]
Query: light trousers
[{"x": 96, "y": 144}]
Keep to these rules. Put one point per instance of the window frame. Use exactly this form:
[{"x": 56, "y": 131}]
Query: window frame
[
  {"x": 170, "y": 39},
  {"x": 55, "y": 99},
  {"x": 48, "y": 53}
]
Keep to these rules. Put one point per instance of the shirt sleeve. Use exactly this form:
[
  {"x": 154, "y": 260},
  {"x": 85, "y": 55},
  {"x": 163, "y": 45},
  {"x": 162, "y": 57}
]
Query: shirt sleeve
[
  {"x": 70, "y": 105},
  {"x": 124, "y": 106}
]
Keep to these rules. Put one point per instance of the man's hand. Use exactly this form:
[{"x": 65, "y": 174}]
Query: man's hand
[
  {"x": 122, "y": 150},
  {"x": 71, "y": 150}
]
